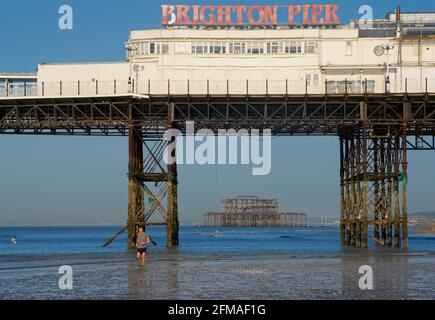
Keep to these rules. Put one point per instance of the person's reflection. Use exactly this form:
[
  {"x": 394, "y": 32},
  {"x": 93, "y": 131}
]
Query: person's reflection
[
  {"x": 173, "y": 279},
  {"x": 158, "y": 279},
  {"x": 136, "y": 280}
]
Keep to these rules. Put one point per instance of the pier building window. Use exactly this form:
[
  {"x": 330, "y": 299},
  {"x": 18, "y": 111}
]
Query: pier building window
[
  {"x": 274, "y": 47},
  {"x": 181, "y": 48},
  {"x": 134, "y": 50},
  {"x": 255, "y": 48},
  {"x": 293, "y": 47},
  {"x": 193, "y": 48},
  {"x": 313, "y": 79},
  {"x": 238, "y": 47},
  {"x": 152, "y": 48},
  {"x": 218, "y": 48},
  {"x": 232, "y": 47},
  {"x": 310, "y": 47},
  {"x": 200, "y": 48},
  {"x": 165, "y": 48},
  {"x": 348, "y": 50},
  {"x": 141, "y": 48},
  {"x": 158, "y": 48}
]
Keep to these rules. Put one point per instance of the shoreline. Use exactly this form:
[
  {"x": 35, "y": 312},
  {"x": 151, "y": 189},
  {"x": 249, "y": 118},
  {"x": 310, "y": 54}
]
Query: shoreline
[
  {"x": 426, "y": 229},
  {"x": 201, "y": 277}
]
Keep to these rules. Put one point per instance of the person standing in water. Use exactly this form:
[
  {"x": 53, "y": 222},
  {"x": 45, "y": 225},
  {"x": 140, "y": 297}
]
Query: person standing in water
[{"x": 142, "y": 242}]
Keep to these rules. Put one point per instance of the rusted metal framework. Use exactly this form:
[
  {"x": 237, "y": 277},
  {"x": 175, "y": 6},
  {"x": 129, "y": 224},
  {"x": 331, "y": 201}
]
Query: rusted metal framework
[
  {"x": 152, "y": 187},
  {"x": 373, "y": 166},
  {"x": 284, "y": 114},
  {"x": 152, "y": 183},
  {"x": 243, "y": 204},
  {"x": 252, "y": 211},
  {"x": 372, "y": 126}
]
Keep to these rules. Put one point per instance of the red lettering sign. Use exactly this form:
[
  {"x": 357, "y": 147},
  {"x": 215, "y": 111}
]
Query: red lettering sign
[
  {"x": 316, "y": 12},
  {"x": 305, "y": 14},
  {"x": 293, "y": 11},
  {"x": 331, "y": 14},
  {"x": 210, "y": 19},
  {"x": 224, "y": 15},
  {"x": 167, "y": 11},
  {"x": 271, "y": 15},
  {"x": 183, "y": 14},
  {"x": 239, "y": 10},
  {"x": 260, "y": 13}
]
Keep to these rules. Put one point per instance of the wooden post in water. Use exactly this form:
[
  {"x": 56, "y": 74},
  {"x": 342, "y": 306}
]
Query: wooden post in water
[
  {"x": 172, "y": 226},
  {"x": 172, "y": 218},
  {"x": 383, "y": 195},
  {"x": 347, "y": 189},
  {"x": 404, "y": 191},
  {"x": 353, "y": 193},
  {"x": 358, "y": 186},
  {"x": 406, "y": 117},
  {"x": 342, "y": 202},
  {"x": 365, "y": 226},
  {"x": 135, "y": 185},
  {"x": 389, "y": 193},
  {"x": 396, "y": 191},
  {"x": 376, "y": 203}
]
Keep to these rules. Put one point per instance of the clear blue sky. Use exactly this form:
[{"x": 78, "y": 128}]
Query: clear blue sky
[{"x": 71, "y": 180}]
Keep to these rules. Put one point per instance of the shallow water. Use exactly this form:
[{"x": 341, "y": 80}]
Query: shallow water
[{"x": 211, "y": 264}]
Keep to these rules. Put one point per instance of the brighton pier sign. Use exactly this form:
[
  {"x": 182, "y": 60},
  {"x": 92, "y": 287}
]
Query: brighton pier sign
[{"x": 255, "y": 15}]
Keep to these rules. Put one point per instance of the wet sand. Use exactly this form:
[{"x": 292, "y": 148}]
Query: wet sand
[{"x": 173, "y": 275}]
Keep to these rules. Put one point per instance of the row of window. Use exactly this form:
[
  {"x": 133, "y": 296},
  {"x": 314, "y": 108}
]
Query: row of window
[{"x": 233, "y": 47}]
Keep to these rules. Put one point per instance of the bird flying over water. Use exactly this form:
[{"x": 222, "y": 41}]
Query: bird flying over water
[{"x": 14, "y": 240}]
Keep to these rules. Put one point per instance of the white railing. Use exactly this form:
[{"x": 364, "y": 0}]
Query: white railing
[
  {"x": 16, "y": 89},
  {"x": 212, "y": 87}
]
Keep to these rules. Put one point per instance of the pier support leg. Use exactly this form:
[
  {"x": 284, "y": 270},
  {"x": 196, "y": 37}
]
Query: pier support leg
[
  {"x": 172, "y": 197},
  {"x": 353, "y": 198},
  {"x": 358, "y": 190},
  {"x": 365, "y": 178},
  {"x": 348, "y": 215},
  {"x": 373, "y": 179},
  {"x": 342, "y": 194},
  {"x": 172, "y": 217},
  {"x": 389, "y": 218},
  {"x": 396, "y": 191},
  {"x": 404, "y": 192},
  {"x": 383, "y": 193},
  {"x": 376, "y": 192},
  {"x": 406, "y": 117},
  {"x": 135, "y": 185}
]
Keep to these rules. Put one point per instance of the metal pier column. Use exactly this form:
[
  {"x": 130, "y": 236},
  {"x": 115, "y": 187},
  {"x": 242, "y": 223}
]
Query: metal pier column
[
  {"x": 172, "y": 222},
  {"x": 135, "y": 184},
  {"x": 373, "y": 164}
]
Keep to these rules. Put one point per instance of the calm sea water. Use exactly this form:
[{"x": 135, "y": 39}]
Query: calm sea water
[{"x": 211, "y": 263}]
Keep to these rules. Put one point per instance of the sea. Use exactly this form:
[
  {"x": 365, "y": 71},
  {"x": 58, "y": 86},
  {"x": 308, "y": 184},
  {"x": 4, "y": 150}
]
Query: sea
[{"x": 210, "y": 263}]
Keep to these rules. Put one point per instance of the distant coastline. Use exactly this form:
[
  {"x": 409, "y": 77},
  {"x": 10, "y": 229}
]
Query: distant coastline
[{"x": 419, "y": 219}]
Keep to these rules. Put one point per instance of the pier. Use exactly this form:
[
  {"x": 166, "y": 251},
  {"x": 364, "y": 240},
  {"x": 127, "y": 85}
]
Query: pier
[
  {"x": 376, "y": 130},
  {"x": 252, "y": 211}
]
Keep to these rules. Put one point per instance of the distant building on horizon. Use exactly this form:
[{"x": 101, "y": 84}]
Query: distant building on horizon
[
  {"x": 422, "y": 217},
  {"x": 252, "y": 211}
]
